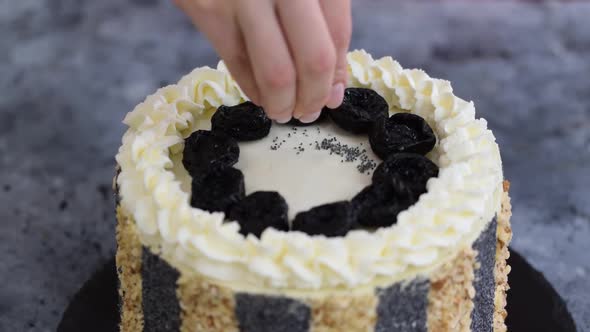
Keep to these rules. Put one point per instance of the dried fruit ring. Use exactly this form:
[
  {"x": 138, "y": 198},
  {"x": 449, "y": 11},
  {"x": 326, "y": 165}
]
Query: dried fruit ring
[{"x": 397, "y": 182}]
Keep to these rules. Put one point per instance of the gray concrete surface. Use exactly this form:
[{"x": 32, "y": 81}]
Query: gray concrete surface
[{"x": 71, "y": 69}]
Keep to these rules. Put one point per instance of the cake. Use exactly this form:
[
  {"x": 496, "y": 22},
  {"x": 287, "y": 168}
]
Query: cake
[{"x": 390, "y": 213}]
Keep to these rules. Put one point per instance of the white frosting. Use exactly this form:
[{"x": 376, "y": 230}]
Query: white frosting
[{"x": 459, "y": 202}]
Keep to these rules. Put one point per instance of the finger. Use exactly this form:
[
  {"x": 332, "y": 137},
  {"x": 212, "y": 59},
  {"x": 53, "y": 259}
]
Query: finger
[
  {"x": 270, "y": 58},
  {"x": 221, "y": 28},
  {"x": 239, "y": 65},
  {"x": 338, "y": 17},
  {"x": 313, "y": 51}
]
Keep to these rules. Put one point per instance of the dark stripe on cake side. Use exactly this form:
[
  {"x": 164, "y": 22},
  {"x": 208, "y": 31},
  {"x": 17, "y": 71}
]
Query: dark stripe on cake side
[
  {"x": 482, "y": 316},
  {"x": 261, "y": 313},
  {"x": 161, "y": 310},
  {"x": 403, "y": 308}
]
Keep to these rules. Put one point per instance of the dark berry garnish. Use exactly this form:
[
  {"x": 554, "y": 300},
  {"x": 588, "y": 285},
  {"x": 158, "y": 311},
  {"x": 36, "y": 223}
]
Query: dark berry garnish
[
  {"x": 379, "y": 203},
  {"x": 260, "y": 210},
  {"x": 333, "y": 219},
  {"x": 410, "y": 172},
  {"x": 218, "y": 189},
  {"x": 244, "y": 122},
  {"x": 204, "y": 149},
  {"x": 359, "y": 110},
  {"x": 295, "y": 122},
  {"x": 402, "y": 132}
]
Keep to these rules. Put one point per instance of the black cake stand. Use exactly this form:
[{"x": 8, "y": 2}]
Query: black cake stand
[{"x": 533, "y": 304}]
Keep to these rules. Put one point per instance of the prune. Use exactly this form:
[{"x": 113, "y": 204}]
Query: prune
[
  {"x": 333, "y": 219},
  {"x": 359, "y": 110},
  {"x": 378, "y": 204},
  {"x": 204, "y": 149},
  {"x": 244, "y": 122},
  {"x": 402, "y": 132},
  {"x": 218, "y": 189},
  {"x": 260, "y": 210},
  {"x": 411, "y": 171}
]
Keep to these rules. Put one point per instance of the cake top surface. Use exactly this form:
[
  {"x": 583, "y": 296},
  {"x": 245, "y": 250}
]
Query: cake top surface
[
  {"x": 155, "y": 189},
  {"x": 309, "y": 166}
]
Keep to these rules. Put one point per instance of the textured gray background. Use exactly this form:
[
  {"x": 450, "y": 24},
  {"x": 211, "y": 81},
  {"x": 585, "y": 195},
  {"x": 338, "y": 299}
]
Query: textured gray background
[{"x": 71, "y": 69}]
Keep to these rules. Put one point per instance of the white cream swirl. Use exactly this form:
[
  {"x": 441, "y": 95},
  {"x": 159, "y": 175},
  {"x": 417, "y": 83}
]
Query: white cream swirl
[{"x": 459, "y": 202}]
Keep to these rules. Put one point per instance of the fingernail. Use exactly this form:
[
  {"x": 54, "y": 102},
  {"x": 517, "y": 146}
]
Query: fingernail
[
  {"x": 297, "y": 114},
  {"x": 283, "y": 118},
  {"x": 310, "y": 117},
  {"x": 336, "y": 96}
]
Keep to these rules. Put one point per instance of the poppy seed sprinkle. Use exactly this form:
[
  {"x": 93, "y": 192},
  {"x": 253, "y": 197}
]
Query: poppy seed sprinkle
[{"x": 347, "y": 153}]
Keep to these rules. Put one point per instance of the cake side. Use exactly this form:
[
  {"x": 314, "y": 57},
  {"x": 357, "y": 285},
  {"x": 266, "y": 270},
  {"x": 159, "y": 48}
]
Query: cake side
[
  {"x": 443, "y": 302},
  {"x": 502, "y": 269},
  {"x": 128, "y": 259}
]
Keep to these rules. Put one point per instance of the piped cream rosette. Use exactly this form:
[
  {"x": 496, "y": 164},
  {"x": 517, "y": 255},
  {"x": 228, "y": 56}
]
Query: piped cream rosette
[{"x": 458, "y": 205}]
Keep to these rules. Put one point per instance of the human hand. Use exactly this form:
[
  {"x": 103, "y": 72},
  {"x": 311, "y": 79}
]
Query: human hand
[{"x": 288, "y": 56}]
